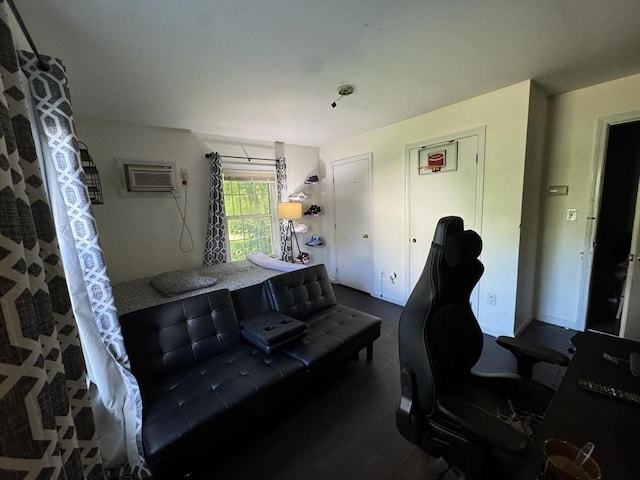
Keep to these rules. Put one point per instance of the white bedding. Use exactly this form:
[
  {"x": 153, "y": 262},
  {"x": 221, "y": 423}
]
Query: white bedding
[
  {"x": 266, "y": 261},
  {"x": 137, "y": 294}
]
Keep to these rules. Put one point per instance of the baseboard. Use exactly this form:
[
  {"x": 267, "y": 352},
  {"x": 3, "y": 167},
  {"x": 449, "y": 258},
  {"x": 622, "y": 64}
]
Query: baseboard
[
  {"x": 522, "y": 327},
  {"x": 494, "y": 332},
  {"x": 559, "y": 322},
  {"x": 388, "y": 298}
]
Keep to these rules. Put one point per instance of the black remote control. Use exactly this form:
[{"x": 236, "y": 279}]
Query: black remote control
[{"x": 610, "y": 391}]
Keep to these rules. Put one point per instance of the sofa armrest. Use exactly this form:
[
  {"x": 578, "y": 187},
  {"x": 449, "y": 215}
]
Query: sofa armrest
[
  {"x": 529, "y": 353},
  {"x": 273, "y": 330}
]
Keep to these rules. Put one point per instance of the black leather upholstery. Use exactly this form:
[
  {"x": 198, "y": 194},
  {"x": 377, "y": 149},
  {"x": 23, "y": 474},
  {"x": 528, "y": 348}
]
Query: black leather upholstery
[
  {"x": 338, "y": 330},
  {"x": 302, "y": 292},
  {"x": 307, "y": 294},
  {"x": 197, "y": 375},
  {"x": 479, "y": 422},
  {"x": 202, "y": 382}
]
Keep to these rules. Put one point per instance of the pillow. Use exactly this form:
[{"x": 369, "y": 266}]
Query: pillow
[
  {"x": 181, "y": 281},
  {"x": 264, "y": 260}
]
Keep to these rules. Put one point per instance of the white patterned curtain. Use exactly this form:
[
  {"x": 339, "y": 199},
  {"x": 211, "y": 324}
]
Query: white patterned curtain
[
  {"x": 116, "y": 400},
  {"x": 46, "y": 423},
  {"x": 283, "y": 196},
  {"x": 215, "y": 250}
]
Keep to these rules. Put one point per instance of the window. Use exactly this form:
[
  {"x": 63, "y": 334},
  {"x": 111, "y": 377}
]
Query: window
[{"x": 251, "y": 213}]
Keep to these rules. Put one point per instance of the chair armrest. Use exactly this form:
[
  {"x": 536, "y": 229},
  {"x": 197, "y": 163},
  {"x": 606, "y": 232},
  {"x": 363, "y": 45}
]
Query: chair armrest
[
  {"x": 529, "y": 353},
  {"x": 483, "y": 425}
]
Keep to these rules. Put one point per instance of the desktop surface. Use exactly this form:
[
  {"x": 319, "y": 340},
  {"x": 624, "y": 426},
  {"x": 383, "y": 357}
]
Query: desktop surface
[{"x": 580, "y": 416}]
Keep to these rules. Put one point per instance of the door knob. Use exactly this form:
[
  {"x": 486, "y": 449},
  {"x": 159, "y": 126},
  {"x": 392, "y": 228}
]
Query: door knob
[
  {"x": 366, "y": 235},
  {"x": 630, "y": 257},
  {"x": 413, "y": 240}
]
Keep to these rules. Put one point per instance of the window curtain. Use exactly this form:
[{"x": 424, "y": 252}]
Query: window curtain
[
  {"x": 46, "y": 423},
  {"x": 283, "y": 196},
  {"x": 115, "y": 396},
  {"x": 215, "y": 249}
]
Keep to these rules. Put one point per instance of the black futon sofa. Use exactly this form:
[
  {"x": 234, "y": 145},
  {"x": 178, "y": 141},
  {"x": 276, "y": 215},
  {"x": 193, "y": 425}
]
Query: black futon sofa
[{"x": 211, "y": 365}]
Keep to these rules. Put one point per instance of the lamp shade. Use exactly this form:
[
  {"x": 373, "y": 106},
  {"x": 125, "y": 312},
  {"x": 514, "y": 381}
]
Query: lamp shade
[{"x": 290, "y": 210}]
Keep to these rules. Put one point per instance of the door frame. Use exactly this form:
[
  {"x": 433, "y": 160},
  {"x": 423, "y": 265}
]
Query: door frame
[
  {"x": 596, "y": 184},
  {"x": 343, "y": 161},
  {"x": 480, "y": 132}
]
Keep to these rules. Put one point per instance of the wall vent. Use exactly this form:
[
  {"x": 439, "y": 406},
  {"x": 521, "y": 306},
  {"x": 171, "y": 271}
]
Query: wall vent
[{"x": 149, "y": 178}]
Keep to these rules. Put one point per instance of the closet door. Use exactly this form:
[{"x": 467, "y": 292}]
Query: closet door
[
  {"x": 630, "y": 323},
  {"x": 352, "y": 202},
  {"x": 451, "y": 191}
]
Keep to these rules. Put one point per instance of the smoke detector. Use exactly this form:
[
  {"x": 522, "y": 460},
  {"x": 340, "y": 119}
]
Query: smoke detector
[{"x": 343, "y": 91}]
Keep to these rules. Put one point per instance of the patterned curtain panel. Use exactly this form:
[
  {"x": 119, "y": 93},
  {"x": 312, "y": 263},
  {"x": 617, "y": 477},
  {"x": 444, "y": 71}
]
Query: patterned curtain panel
[
  {"x": 215, "y": 250},
  {"x": 115, "y": 393},
  {"x": 46, "y": 423},
  {"x": 283, "y": 196}
]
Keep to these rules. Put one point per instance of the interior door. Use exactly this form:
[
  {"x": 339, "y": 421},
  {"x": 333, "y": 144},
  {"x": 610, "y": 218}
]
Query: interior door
[
  {"x": 435, "y": 195},
  {"x": 611, "y": 235},
  {"x": 630, "y": 320},
  {"x": 352, "y": 200}
]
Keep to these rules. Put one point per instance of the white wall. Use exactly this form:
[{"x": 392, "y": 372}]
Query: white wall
[
  {"x": 302, "y": 162},
  {"x": 570, "y": 160},
  {"x": 505, "y": 113},
  {"x": 141, "y": 236},
  {"x": 530, "y": 224}
]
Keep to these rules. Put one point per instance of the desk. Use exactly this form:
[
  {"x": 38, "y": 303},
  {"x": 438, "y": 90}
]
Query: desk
[{"x": 579, "y": 416}]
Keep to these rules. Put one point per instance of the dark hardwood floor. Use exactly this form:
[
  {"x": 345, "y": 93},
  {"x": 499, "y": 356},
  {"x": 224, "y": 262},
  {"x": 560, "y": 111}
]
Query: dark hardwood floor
[{"x": 343, "y": 425}]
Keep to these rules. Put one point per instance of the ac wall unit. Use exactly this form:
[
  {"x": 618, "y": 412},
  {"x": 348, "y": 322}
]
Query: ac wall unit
[{"x": 149, "y": 178}]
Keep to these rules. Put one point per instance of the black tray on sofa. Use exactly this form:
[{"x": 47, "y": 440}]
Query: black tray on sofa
[{"x": 273, "y": 331}]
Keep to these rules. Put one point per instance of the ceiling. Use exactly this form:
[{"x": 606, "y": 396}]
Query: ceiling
[{"x": 270, "y": 69}]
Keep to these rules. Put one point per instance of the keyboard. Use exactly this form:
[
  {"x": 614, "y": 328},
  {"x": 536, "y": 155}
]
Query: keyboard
[{"x": 610, "y": 391}]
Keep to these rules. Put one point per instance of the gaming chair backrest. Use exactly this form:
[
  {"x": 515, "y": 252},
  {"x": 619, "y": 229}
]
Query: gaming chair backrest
[{"x": 439, "y": 337}]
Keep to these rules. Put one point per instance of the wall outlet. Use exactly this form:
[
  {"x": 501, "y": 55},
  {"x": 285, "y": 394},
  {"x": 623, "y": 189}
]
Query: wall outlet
[
  {"x": 184, "y": 174},
  {"x": 491, "y": 298}
]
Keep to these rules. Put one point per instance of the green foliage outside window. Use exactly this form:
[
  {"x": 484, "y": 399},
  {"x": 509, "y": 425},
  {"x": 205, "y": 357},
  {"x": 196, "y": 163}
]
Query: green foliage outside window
[{"x": 248, "y": 212}]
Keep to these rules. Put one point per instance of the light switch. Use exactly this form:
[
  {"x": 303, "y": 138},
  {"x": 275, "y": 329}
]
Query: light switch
[{"x": 572, "y": 214}]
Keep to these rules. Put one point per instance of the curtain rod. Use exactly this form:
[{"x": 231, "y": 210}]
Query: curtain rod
[
  {"x": 209, "y": 155},
  {"x": 42, "y": 65}
]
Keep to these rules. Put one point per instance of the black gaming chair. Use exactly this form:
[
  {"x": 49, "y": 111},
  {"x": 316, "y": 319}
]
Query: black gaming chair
[{"x": 480, "y": 423}]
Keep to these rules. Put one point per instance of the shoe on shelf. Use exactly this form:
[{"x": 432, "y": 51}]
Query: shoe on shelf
[
  {"x": 301, "y": 228},
  {"x": 312, "y": 179},
  {"x": 298, "y": 197},
  {"x": 313, "y": 210},
  {"x": 315, "y": 241}
]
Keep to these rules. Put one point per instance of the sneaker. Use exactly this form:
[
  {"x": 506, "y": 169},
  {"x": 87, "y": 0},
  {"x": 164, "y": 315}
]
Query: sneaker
[
  {"x": 313, "y": 210},
  {"x": 301, "y": 228},
  {"x": 298, "y": 197},
  {"x": 303, "y": 257},
  {"x": 315, "y": 241},
  {"x": 312, "y": 179}
]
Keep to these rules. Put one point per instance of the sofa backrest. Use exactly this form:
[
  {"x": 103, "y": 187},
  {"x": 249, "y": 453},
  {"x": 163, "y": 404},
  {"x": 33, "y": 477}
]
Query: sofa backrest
[
  {"x": 250, "y": 301},
  {"x": 164, "y": 339},
  {"x": 301, "y": 293}
]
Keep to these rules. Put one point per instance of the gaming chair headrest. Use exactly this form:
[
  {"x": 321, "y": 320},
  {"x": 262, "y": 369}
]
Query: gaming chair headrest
[{"x": 458, "y": 246}]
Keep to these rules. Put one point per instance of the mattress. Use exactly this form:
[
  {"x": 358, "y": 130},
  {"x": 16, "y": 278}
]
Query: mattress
[{"x": 137, "y": 294}]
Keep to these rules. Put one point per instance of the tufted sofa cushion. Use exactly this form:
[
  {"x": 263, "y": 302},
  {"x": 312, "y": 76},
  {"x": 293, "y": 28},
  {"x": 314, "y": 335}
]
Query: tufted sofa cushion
[
  {"x": 197, "y": 375},
  {"x": 301, "y": 293},
  {"x": 168, "y": 338},
  {"x": 334, "y": 331},
  {"x": 333, "y": 334}
]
